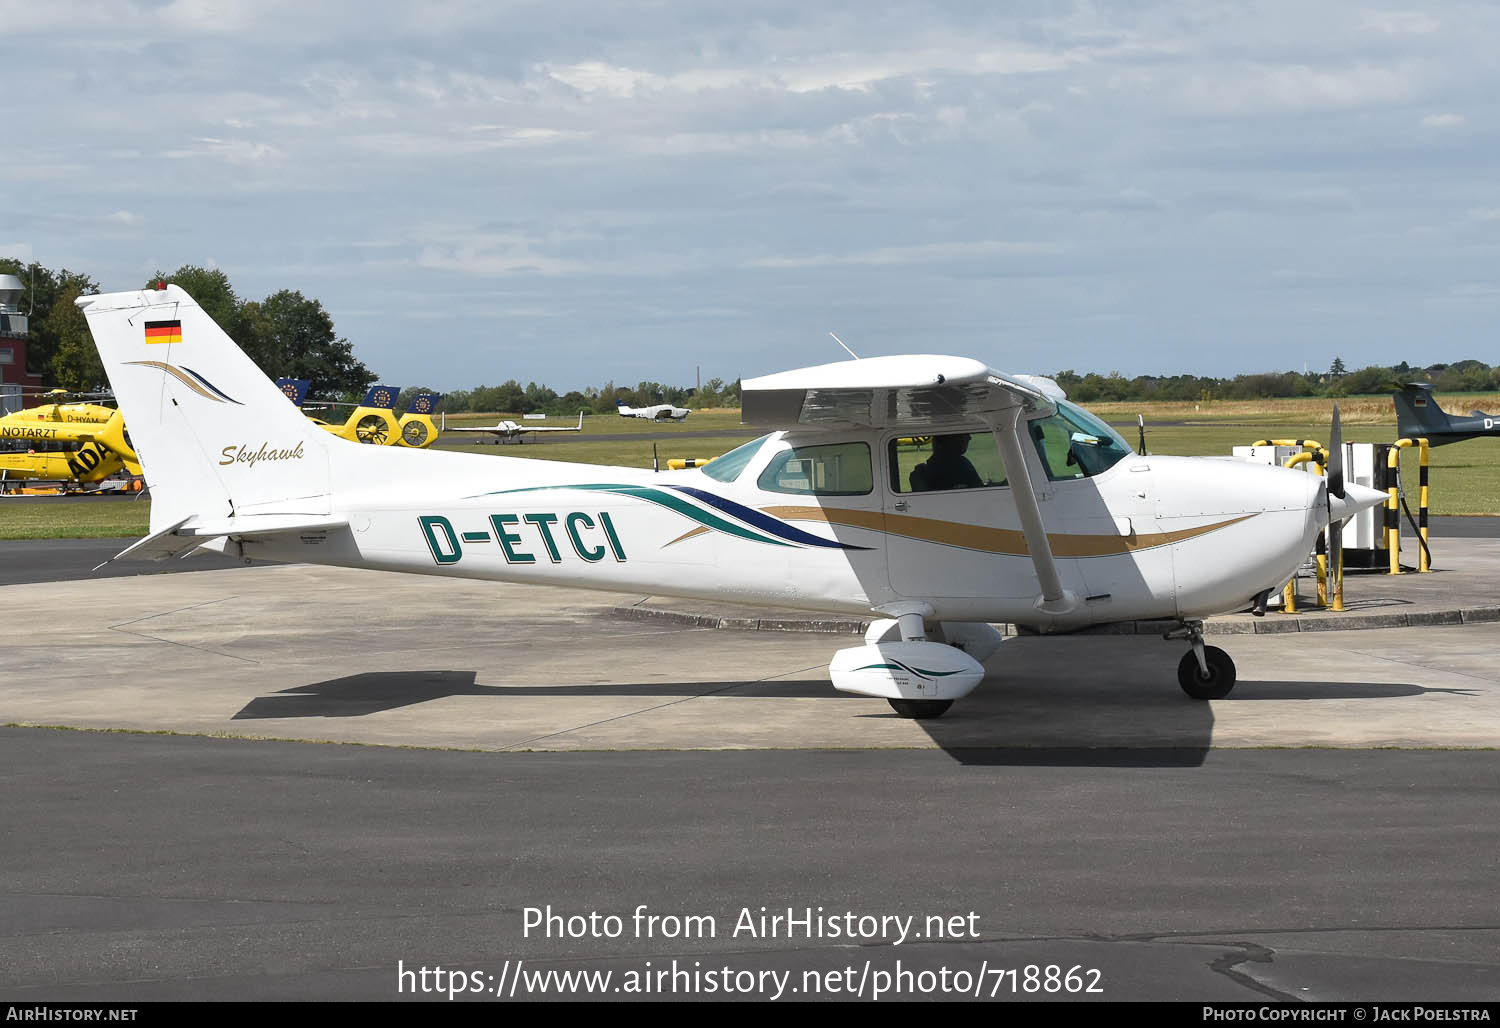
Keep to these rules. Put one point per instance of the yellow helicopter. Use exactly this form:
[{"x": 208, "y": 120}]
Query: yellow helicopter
[
  {"x": 88, "y": 465},
  {"x": 374, "y": 420},
  {"x": 56, "y": 409},
  {"x": 417, "y": 427},
  {"x": 65, "y": 442},
  {"x": 47, "y": 433}
]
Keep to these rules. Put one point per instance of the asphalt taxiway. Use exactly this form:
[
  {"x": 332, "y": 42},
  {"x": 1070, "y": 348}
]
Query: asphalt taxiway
[{"x": 1328, "y": 831}]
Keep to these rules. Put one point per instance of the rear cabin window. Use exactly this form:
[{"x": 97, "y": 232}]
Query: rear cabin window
[
  {"x": 835, "y": 469},
  {"x": 955, "y": 460}
]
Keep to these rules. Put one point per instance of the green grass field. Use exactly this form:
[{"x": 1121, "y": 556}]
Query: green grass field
[
  {"x": 672, "y": 439},
  {"x": 1465, "y": 476},
  {"x": 73, "y": 517}
]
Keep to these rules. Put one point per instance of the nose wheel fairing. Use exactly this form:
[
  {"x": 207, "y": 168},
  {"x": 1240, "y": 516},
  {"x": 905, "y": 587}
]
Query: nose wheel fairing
[
  {"x": 906, "y": 671},
  {"x": 920, "y": 677}
]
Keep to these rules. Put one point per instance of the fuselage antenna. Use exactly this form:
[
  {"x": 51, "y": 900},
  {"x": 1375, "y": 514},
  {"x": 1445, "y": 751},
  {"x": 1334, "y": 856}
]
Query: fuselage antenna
[{"x": 850, "y": 352}]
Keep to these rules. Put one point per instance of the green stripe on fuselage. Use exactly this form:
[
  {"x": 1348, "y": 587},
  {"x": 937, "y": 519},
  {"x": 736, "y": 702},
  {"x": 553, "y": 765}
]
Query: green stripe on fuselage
[{"x": 661, "y": 499}]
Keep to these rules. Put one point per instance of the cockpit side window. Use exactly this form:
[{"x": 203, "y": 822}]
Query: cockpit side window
[{"x": 954, "y": 460}]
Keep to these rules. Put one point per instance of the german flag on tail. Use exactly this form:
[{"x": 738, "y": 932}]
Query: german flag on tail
[{"x": 164, "y": 331}]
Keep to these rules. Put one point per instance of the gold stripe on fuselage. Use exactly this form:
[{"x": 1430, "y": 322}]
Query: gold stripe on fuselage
[{"x": 1007, "y": 541}]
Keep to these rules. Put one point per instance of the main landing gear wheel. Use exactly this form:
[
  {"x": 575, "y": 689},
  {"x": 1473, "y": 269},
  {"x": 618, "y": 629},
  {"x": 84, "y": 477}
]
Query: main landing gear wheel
[
  {"x": 1216, "y": 684},
  {"x": 920, "y": 709}
]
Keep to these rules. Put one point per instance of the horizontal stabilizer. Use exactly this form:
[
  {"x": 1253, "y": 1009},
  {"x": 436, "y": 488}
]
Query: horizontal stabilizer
[
  {"x": 188, "y": 534},
  {"x": 156, "y": 546},
  {"x": 260, "y": 524}
]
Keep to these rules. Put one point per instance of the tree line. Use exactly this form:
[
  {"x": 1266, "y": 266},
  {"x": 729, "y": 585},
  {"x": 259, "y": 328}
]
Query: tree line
[
  {"x": 1465, "y": 376},
  {"x": 290, "y": 335},
  {"x": 513, "y": 398}
]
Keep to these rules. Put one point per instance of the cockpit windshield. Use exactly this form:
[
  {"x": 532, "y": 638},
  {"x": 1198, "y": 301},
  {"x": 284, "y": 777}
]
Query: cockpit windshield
[
  {"x": 1075, "y": 444},
  {"x": 727, "y": 468},
  {"x": 1093, "y": 424}
]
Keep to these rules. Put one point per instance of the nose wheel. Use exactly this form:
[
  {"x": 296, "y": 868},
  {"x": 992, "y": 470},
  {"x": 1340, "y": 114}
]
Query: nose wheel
[
  {"x": 1215, "y": 683},
  {"x": 1205, "y": 672}
]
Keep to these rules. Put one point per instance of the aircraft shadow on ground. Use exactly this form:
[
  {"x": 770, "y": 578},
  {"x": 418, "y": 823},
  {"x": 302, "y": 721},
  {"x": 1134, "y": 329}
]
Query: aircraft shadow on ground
[
  {"x": 1076, "y": 756},
  {"x": 376, "y": 691},
  {"x": 1246, "y": 691},
  {"x": 1050, "y": 726}
]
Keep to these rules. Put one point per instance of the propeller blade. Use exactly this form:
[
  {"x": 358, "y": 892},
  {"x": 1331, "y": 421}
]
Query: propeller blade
[
  {"x": 1336, "y": 457},
  {"x": 1335, "y": 489}
]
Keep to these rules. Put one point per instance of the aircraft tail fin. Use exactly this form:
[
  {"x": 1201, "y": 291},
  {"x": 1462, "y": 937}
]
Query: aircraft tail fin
[
  {"x": 1418, "y": 413},
  {"x": 423, "y": 403},
  {"x": 215, "y": 437},
  {"x": 295, "y": 389},
  {"x": 383, "y": 397}
]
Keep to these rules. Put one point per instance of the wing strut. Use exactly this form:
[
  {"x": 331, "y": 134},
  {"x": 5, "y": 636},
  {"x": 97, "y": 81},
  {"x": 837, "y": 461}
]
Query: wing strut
[{"x": 1008, "y": 431}]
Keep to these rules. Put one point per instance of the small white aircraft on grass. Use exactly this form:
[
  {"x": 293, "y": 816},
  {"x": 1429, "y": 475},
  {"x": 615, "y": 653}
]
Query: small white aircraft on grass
[
  {"x": 930, "y": 490},
  {"x": 506, "y": 430},
  {"x": 656, "y": 412}
]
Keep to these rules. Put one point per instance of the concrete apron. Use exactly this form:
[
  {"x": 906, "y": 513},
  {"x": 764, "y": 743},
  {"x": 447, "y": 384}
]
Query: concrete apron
[{"x": 313, "y": 653}]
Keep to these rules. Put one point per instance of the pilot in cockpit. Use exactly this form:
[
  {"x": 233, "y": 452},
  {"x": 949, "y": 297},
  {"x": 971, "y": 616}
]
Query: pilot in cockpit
[{"x": 947, "y": 468}]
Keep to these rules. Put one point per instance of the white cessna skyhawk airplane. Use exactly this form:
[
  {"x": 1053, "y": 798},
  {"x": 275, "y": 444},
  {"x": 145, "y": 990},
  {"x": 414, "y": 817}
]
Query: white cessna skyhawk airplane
[{"x": 927, "y": 489}]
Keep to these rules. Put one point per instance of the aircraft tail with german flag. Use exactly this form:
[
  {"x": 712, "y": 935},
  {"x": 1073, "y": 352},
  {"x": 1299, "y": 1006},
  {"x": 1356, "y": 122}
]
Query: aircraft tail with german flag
[{"x": 216, "y": 439}]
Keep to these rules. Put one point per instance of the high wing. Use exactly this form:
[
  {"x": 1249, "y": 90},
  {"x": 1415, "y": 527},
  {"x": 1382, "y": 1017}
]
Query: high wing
[
  {"x": 919, "y": 391},
  {"x": 926, "y": 393}
]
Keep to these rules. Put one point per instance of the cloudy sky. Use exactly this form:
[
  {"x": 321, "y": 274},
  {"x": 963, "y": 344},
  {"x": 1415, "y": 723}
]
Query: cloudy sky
[{"x": 574, "y": 192}]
